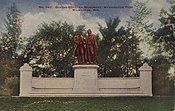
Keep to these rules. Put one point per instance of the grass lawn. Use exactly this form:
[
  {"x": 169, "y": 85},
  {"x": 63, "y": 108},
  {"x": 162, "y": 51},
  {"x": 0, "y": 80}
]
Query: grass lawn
[{"x": 87, "y": 104}]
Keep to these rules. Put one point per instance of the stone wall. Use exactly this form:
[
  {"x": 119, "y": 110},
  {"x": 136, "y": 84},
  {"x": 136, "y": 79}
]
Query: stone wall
[{"x": 86, "y": 83}]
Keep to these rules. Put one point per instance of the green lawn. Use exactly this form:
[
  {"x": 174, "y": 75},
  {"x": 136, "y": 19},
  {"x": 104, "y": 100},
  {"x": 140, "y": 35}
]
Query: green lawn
[{"x": 87, "y": 104}]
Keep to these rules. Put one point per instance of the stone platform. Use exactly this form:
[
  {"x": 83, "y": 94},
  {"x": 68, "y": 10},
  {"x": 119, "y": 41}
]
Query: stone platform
[
  {"x": 85, "y": 83},
  {"x": 86, "y": 78}
]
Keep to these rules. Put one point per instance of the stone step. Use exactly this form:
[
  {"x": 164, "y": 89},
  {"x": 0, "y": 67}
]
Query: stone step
[
  {"x": 97, "y": 92},
  {"x": 86, "y": 95}
]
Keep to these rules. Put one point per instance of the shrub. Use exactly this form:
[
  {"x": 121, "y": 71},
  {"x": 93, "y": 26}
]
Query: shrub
[
  {"x": 162, "y": 85},
  {"x": 10, "y": 86}
]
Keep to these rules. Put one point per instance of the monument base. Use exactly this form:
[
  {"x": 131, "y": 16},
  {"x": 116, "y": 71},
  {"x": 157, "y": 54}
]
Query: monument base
[
  {"x": 85, "y": 84},
  {"x": 86, "y": 79}
]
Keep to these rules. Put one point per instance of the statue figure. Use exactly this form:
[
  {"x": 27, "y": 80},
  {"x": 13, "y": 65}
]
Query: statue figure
[
  {"x": 91, "y": 48},
  {"x": 79, "y": 51}
]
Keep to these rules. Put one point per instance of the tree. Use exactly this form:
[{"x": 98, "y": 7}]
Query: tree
[
  {"x": 50, "y": 50},
  {"x": 11, "y": 40},
  {"x": 141, "y": 27},
  {"x": 104, "y": 52},
  {"x": 10, "y": 44},
  {"x": 139, "y": 22},
  {"x": 129, "y": 55},
  {"x": 164, "y": 37},
  {"x": 162, "y": 84},
  {"x": 164, "y": 42},
  {"x": 121, "y": 54}
]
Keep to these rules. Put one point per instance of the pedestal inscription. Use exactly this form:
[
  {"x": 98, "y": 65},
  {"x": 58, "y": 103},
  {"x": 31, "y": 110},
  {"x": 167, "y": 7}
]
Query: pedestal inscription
[{"x": 86, "y": 78}]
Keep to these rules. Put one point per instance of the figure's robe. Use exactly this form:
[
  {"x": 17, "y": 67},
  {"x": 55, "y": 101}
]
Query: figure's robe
[
  {"x": 79, "y": 51},
  {"x": 91, "y": 48}
]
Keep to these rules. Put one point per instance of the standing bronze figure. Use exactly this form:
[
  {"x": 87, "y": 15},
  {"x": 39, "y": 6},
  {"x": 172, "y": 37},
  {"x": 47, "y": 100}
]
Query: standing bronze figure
[
  {"x": 80, "y": 45},
  {"x": 85, "y": 48},
  {"x": 91, "y": 47}
]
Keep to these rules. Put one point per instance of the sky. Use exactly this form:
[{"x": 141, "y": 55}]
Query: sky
[{"x": 33, "y": 15}]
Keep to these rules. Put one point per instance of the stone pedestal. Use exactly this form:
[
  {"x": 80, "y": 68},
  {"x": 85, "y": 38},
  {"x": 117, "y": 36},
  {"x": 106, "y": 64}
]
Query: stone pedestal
[
  {"x": 85, "y": 79},
  {"x": 146, "y": 79},
  {"x": 25, "y": 80}
]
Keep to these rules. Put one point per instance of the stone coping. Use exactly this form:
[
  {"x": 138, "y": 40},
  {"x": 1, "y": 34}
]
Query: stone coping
[
  {"x": 52, "y": 77},
  {"x": 145, "y": 67},
  {"x": 118, "y": 77},
  {"x": 26, "y": 67},
  {"x": 73, "y": 77},
  {"x": 86, "y": 66}
]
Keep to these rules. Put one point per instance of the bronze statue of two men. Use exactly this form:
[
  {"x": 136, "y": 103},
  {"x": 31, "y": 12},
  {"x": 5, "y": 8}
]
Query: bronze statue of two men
[{"x": 85, "y": 48}]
